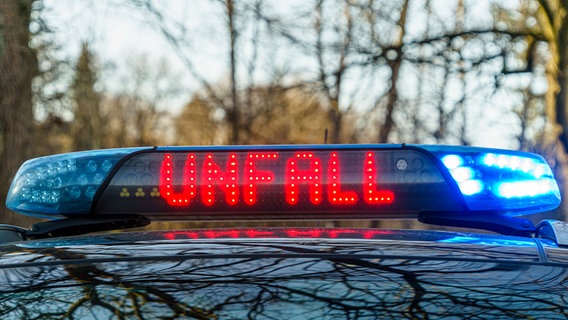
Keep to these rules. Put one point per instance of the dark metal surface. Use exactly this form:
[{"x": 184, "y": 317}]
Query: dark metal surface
[{"x": 396, "y": 274}]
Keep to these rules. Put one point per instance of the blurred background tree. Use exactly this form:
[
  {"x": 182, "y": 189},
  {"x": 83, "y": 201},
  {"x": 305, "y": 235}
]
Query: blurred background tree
[
  {"x": 488, "y": 73},
  {"x": 18, "y": 68},
  {"x": 89, "y": 123}
]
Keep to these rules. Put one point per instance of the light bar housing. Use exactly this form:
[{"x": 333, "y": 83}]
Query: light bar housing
[{"x": 284, "y": 182}]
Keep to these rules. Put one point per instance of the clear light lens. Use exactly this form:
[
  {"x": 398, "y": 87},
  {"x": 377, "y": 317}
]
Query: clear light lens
[{"x": 62, "y": 184}]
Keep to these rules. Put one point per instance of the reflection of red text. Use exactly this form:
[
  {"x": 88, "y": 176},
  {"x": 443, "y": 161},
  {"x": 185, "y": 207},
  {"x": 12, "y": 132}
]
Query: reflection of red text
[
  {"x": 286, "y": 232},
  {"x": 302, "y": 178}
]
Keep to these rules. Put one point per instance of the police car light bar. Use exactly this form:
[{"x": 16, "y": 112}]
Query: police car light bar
[{"x": 284, "y": 182}]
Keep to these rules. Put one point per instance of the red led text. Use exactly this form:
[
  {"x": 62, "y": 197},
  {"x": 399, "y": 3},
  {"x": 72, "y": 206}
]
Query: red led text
[{"x": 304, "y": 176}]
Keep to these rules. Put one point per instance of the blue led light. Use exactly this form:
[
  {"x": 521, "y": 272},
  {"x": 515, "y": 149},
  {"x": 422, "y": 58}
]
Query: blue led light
[
  {"x": 462, "y": 174},
  {"x": 452, "y": 161},
  {"x": 62, "y": 184},
  {"x": 534, "y": 167},
  {"x": 471, "y": 187},
  {"x": 465, "y": 176},
  {"x": 525, "y": 188},
  {"x": 497, "y": 180}
]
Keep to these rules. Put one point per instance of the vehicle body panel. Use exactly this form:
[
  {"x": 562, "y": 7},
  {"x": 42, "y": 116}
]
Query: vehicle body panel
[{"x": 399, "y": 274}]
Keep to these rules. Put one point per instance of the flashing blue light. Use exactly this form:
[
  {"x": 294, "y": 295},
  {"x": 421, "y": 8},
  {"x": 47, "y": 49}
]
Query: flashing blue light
[
  {"x": 525, "y": 188},
  {"x": 465, "y": 176},
  {"x": 452, "y": 161},
  {"x": 533, "y": 167},
  {"x": 462, "y": 174},
  {"x": 498, "y": 180},
  {"x": 470, "y": 187}
]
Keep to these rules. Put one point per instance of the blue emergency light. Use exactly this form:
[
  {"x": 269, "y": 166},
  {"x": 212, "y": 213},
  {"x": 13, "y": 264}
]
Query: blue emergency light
[{"x": 285, "y": 182}]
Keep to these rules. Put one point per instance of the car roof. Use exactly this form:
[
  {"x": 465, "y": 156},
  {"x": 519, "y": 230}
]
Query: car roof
[
  {"x": 477, "y": 276},
  {"x": 384, "y": 243}
]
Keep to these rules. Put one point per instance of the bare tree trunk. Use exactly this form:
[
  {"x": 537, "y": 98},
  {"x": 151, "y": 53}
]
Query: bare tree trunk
[
  {"x": 18, "y": 67},
  {"x": 333, "y": 91},
  {"x": 234, "y": 111},
  {"x": 561, "y": 106},
  {"x": 392, "y": 95},
  {"x": 554, "y": 27}
]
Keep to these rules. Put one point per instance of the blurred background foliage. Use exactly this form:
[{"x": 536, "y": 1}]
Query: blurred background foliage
[{"x": 490, "y": 73}]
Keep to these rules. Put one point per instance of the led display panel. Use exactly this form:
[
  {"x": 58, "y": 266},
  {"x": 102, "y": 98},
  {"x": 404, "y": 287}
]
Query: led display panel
[{"x": 267, "y": 184}]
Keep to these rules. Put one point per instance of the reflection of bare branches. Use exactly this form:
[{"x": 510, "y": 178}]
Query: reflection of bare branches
[{"x": 278, "y": 281}]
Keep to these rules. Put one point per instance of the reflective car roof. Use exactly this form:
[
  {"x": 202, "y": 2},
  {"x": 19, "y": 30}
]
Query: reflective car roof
[{"x": 397, "y": 274}]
